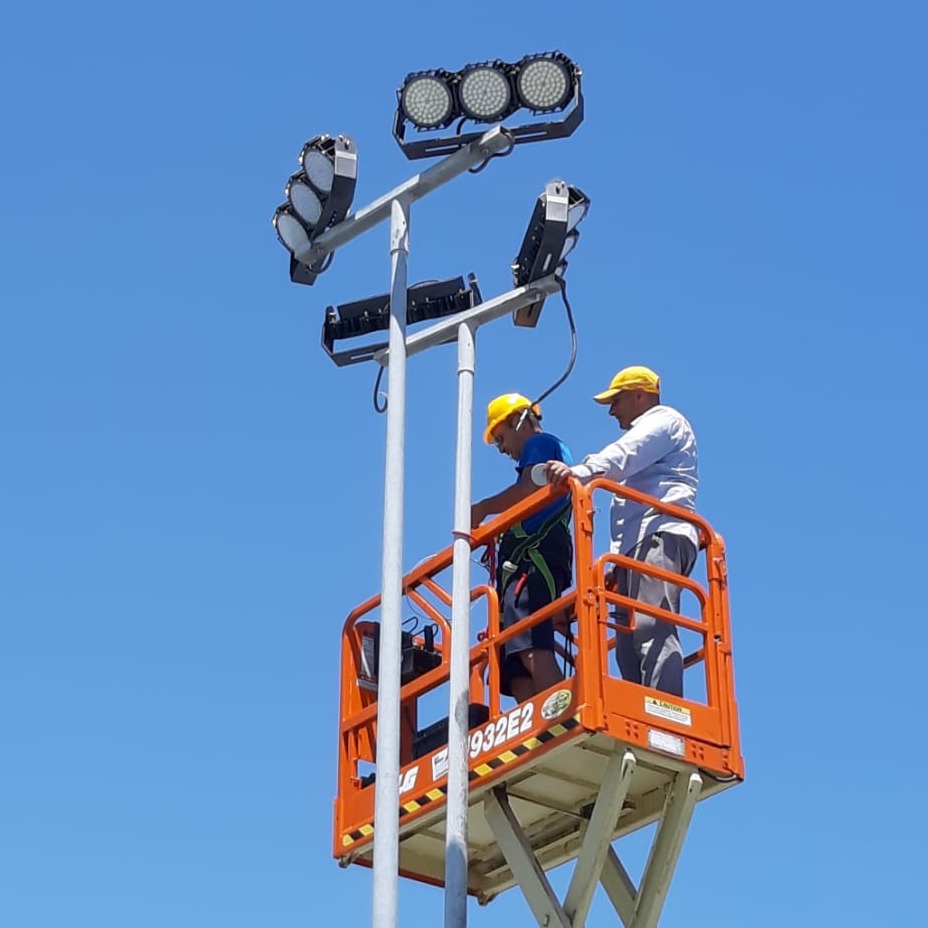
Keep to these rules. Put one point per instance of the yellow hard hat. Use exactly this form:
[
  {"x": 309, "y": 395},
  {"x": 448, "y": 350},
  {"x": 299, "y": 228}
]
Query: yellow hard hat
[
  {"x": 630, "y": 378},
  {"x": 504, "y": 406}
]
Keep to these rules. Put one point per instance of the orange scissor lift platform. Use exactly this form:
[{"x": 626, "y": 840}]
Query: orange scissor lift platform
[{"x": 561, "y": 776}]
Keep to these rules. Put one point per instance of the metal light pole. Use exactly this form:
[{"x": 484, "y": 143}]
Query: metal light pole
[
  {"x": 459, "y": 684},
  {"x": 386, "y": 797}
]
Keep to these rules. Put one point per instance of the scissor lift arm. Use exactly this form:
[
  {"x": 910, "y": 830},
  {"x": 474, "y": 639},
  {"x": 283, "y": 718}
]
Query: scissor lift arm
[{"x": 597, "y": 861}]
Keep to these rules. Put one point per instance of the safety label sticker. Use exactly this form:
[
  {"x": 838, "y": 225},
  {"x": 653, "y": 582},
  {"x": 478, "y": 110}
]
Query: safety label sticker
[
  {"x": 664, "y": 742},
  {"x": 668, "y": 710},
  {"x": 440, "y": 764}
]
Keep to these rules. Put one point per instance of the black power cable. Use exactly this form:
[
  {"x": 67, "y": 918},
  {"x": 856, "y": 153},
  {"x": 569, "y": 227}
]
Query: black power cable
[
  {"x": 573, "y": 343},
  {"x": 499, "y": 154},
  {"x": 573, "y": 353},
  {"x": 377, "y": 393}
]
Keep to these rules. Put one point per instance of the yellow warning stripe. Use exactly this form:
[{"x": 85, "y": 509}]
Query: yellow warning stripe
[{"x": 481, "y": 770}]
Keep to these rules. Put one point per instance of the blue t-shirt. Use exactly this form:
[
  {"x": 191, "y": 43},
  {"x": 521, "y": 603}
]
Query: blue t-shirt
[{"x": 538, "y": 449}]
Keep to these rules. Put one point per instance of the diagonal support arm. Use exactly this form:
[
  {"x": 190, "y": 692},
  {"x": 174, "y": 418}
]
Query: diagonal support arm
[
  {"x": 619, "y": 887},
  {"x": 525, "y": 867},
  {"x": 597, "y": 860},
  {"x": 596, "y": 841},
  {"x": 668, "y": 842}
]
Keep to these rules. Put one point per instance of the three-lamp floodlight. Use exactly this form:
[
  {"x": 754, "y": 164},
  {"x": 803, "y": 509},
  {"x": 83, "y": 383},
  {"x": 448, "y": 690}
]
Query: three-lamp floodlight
[
  {"x": 318, "y": 196},
  {"x": 551, "y": 235},
  {"x": 489, "y": 92},
  {"x": 426, "y": 301}
]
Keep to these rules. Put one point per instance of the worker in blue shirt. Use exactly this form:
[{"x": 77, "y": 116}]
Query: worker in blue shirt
[
  {"x": 657, "y": 456},
  {"x": 535, "y": 555}
]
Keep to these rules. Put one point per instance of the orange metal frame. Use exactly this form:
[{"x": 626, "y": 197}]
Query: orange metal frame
[{"x": 591, "y": 700}]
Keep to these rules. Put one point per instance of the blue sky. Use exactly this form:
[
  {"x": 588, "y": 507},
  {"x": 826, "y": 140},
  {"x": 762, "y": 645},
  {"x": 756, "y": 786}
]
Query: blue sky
[{"x": 192, "y": 492}]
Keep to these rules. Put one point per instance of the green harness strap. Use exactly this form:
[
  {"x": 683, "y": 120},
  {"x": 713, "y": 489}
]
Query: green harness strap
[{"x": 528, "y": 547}]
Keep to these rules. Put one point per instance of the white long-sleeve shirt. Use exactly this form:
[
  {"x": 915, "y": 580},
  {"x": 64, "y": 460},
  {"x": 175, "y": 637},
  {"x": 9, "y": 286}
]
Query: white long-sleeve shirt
[{"x": 657, "y": 456}]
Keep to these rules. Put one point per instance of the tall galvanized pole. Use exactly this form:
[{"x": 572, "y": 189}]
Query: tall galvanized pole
[
  {"x": 386, "y": 813},
  {"x": 459, "y": 699}
]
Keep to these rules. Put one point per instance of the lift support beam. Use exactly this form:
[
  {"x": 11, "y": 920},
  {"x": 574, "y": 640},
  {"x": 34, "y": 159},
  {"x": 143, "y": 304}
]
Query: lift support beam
[{"x": 597, "y": 860}]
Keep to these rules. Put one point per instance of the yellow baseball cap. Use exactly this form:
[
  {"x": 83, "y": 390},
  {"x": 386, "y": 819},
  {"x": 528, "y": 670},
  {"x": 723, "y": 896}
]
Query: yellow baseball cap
[{"x": 630, "y": 378}]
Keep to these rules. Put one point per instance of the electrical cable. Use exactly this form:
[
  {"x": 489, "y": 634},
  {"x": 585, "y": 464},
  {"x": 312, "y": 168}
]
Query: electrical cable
[
  {"x": 386, "y": 399},
  {"x": 498, "y": 154},
  {"x": 573, "y": 354},
  {"x": 415, "y": 619},
  {"x": 573, "y": 343},
  {"x": 732, "y": 778}
]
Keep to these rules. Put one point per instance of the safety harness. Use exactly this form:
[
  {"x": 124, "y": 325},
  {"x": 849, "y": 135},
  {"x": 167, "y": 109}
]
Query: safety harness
[{"x": 527, "y": 546}]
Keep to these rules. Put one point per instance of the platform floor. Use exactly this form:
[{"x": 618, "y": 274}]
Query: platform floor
[{"x": 552, "y": 795}]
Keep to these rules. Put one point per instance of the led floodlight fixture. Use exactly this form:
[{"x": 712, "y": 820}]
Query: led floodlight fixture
[
  {"x": 427, "y": 100},
  {"x": 425, "y": 301},
  {"x": 487, "y": 92},
  {"x": 318, "y": 197},
  {"x": 290, "y": 230},
  {"x": 544, "y": 82},
  {"x": 551, "y": 235}
]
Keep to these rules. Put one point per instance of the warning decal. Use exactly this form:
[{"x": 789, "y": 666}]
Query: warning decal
[{"x": 668, "y": 710}]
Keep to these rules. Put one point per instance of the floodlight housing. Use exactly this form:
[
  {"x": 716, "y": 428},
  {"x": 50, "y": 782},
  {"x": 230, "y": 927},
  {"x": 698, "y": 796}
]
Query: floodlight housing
[
  {"x": 425, "y": 301},
  {"x": 551, "y": 235},
  {"x": 488, "y": 92},
  {"x": 318, "y": 196}
]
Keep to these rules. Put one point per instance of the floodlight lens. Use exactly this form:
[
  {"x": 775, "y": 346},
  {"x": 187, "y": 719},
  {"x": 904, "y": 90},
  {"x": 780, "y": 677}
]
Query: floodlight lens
[
  {"x": 569, "y": 244},
  {"x": 485, "y": 93},
  {"x": 306, "y": 204},
  {"x": 427, "y": 101},
  {"x": 319, "y": 168},
  {"x": 576, "y": 214},
  {"x": 544, "y": 84},
  {"x": 290, "y": 230}
]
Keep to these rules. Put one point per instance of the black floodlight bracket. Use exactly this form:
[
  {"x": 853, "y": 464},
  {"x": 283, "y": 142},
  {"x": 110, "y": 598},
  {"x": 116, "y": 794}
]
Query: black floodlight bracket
[
  {"x": 424, "y": 302},
  {"x": 531, "y": 132},
  {"x": 344, "y": 154},
  {"x": 302, "y": 274}
]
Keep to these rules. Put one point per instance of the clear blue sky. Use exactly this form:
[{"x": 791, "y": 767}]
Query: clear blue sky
[{"x": 192, "y": 492}]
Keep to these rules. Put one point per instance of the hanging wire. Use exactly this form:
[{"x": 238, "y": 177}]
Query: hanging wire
[
  {"x": 573, "y": 353},
  {"x": 377, "y": 393},
  {"x": 573, "y": 343},
  {"x": 411, "y": 624}
]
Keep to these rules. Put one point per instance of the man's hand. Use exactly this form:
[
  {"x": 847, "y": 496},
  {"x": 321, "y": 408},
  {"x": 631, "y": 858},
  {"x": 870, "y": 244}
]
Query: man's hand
[
  {"x": 611, "y": 578},
  {"x": 557, "y": 472},
  {"x": 477, "y": 514}
]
